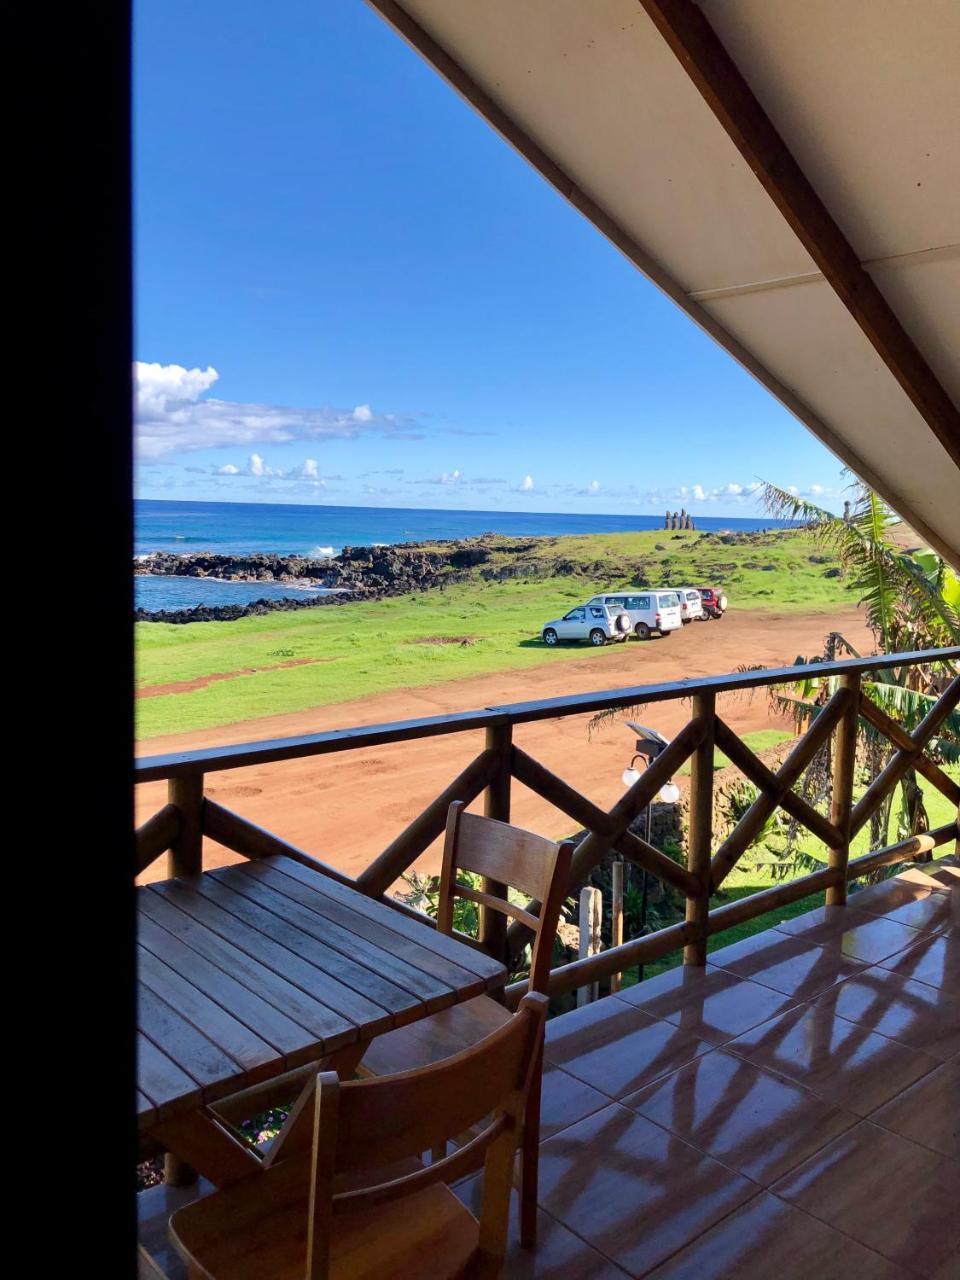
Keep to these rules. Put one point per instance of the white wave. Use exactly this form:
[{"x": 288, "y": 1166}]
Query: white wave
[{"x": 321, "y": 553}]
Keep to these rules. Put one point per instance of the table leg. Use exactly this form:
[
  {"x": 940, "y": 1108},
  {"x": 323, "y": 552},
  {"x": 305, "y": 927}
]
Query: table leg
[{"x": 201, "y": 1144}]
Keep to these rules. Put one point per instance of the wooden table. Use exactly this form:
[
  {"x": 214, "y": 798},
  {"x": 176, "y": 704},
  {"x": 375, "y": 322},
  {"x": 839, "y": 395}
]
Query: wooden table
[{"x": 249, "y": 971}]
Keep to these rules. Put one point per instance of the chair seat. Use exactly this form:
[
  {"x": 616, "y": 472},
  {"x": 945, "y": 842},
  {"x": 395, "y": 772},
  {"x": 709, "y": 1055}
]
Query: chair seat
[
  {"x": 431, "y": 1039},
  {"x": 237, "y": 1234}
]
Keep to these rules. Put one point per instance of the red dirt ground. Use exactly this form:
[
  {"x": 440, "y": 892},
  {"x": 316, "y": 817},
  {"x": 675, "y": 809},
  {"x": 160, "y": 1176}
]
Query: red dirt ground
[{"x": 345, "y": 808}]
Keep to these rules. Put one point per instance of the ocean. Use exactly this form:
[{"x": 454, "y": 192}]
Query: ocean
[{"x": 241, "y": 527}]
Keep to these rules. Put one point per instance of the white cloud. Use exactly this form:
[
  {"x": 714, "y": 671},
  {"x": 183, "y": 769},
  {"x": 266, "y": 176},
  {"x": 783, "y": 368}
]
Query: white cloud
[
  {"x": 526, "y": 484},
  {"x": 593, "y": 487},
  {"x": 697, "y": 491},
  {"x": 447, "y": 478},
  {"x": 306, "y": 470},
  {"x": 171, "y": 416},
  {"x": 228, "y": 470}
]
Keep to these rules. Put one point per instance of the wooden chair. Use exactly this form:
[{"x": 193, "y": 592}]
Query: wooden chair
[
  {"x": 344, "y": 1198},
  {"x": 534, "y": 866}
]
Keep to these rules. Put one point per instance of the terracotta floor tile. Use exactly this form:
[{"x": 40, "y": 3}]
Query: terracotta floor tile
[
  {"x": 914, "y": 1013},
  {"x": 928, "y": 1112},
  {"x": 860, "y": 935},
  {"x": 565, "y": 1100},
  {"x": 845, "y": 1063},
  {"x": 633, "y": 1191},
  {"x": 794, "y": 966},
  {"x": 768, "y": 1238},
  {"x": 757, "y": 1123},
  {"x": 712, "y": 1003},
  {"x": 886, "y": 1192},
  {"x": 559, "y": 1254},
  {"x": 934, "y": 960},
  {"x": 907, "y": 903},
  {"x": 946, "y": 874},
  {"x": 931, "y": 876},
  {"x": 616, "y": 1048}
]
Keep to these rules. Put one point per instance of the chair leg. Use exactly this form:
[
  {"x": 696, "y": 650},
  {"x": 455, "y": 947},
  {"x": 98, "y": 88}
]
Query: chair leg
[{"x": 530, "y": 1160}]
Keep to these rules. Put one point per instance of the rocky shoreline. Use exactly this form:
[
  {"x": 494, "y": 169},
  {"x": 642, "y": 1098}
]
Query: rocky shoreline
[
  {"x": 372, "y": 573},
  {"x": 367, "y": 573}
]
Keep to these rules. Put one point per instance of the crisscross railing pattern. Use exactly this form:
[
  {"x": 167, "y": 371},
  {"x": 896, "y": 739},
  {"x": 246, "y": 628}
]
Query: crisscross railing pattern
[{"x": 179, "y": 827}]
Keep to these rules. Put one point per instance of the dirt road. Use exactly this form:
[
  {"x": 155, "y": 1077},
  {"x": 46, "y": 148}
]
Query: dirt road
[{"x": 346, "y": 808}]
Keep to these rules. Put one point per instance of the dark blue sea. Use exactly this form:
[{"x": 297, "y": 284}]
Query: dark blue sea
[{"x": 237, "y": 527}]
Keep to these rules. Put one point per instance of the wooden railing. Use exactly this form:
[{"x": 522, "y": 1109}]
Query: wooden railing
[{"x": 179, "y": 827}]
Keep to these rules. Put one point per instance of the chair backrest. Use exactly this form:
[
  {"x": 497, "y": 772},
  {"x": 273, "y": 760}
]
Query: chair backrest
[
  {"x": 366, "y": 1125},
  {"x": 521, "y": 860}
]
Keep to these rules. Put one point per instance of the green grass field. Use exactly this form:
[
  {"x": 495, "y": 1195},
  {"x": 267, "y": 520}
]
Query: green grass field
[{"x": 357, "y": 650}]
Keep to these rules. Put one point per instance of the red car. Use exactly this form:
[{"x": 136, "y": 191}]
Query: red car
[{"x": 714, "y": 602}]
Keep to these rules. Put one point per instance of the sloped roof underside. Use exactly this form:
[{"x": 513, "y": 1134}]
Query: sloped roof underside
[{"x": 866, "y": 97}]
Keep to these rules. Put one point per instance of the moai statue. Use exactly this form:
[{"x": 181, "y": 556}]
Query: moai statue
[
  {"x": 689, "y": 524},
  {"x": 673, "y": 522},
  {"x": 847, "y": 513},
  {"x": 693, "y": 525},
  {"x": 683, "y": 518},
  {"x": 666, "y": 521}
]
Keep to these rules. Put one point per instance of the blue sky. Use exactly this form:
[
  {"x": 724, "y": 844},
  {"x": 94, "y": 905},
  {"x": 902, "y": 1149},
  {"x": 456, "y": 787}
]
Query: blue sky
[{"x": 350, "y": 290}]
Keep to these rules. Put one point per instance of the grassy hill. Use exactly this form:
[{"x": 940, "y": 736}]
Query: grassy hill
[{"x": 487, "y": 620}]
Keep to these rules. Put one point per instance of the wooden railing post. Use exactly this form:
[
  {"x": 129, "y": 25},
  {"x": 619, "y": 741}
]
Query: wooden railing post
[
  {"x": 591, "y": 916},
  {"x": 185, "y": 858},
  {"x": 616, "y": 913},
  {"x": 186, "y": 853},
  {"x": 700, "y": 834},
  {"x": 841, "y": 802},
  {"x": 496, "y": 804}
]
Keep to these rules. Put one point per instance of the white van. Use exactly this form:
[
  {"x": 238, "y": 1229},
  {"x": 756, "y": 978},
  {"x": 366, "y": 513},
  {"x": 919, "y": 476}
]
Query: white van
[
  {"x": 691, "y": 605},
  {"x": 648, "y": 611}
]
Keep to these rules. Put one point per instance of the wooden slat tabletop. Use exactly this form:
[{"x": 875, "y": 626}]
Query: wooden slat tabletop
[{"x": 248, "y": 971}]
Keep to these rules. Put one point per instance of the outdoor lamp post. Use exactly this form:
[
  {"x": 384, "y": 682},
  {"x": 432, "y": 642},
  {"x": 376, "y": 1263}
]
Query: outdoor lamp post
[{"x": 649, "y": 745}]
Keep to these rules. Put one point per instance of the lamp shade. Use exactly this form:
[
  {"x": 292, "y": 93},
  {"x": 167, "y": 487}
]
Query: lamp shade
[
  {"x": 630, "y": 776},
  {"x": 670, "y": 792}
]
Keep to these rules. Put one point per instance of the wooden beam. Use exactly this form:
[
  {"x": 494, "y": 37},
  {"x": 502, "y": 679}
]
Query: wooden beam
[
  {"x": 245, "y": 754},
  {"x": 905, "y": 758},
  {"x": 186, "y": 849},
  {"x": 592, "y": 850},
  {"x": 700, "y": 832},
  {"x": 496, "y": 804},
  {"x": 906, "y": 851},
  {"x": 156, "y": 836},
  {"x": 765, "y": 779},
  {"x": 719, "y": 81},
  {"x": 799, "y": 758},
  {"x": 397, "y": 858},
  {"x": 570, "y": 801},
  {"x": 900, "y": 738},
  {"x": 841, "y": 798},
  {"x": 243, "y": 836},
  {"x": 758, "y": 904}
]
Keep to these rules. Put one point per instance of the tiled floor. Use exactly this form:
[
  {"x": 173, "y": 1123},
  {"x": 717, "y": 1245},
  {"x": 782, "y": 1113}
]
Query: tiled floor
[{"x": 791, "y": 1112}]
